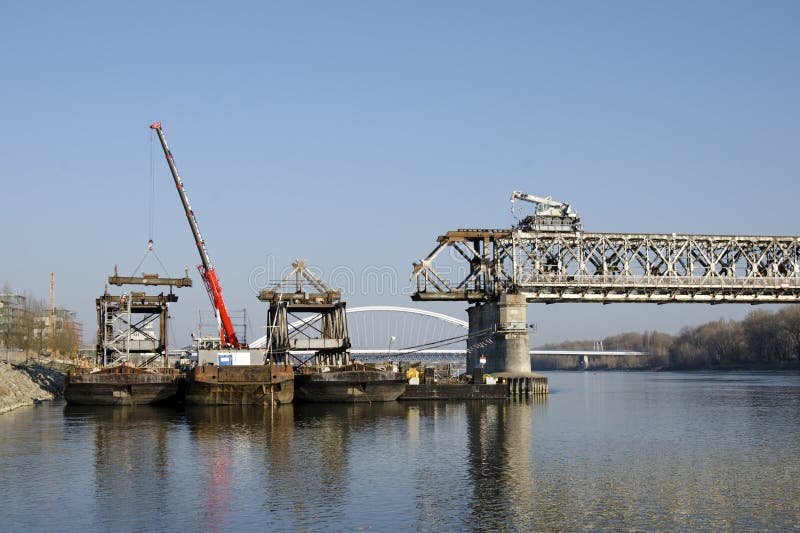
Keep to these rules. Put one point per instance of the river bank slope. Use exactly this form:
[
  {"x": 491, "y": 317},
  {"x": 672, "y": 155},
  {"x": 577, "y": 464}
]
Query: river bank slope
[{"x": 22, "y": 385}]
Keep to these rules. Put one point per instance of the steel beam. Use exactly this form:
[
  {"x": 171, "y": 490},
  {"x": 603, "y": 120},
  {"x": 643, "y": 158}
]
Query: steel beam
[{"x": 150, "y": 279}]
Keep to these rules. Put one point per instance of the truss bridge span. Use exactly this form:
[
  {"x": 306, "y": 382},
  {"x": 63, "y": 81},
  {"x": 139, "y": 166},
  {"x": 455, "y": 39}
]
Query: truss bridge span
[{"x": 552, "y": 267}]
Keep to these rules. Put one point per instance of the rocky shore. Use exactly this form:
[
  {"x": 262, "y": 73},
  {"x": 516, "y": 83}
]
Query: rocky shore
[{"x": 22, "y": 385}]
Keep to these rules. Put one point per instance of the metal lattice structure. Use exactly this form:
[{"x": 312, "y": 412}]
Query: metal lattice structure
[
  {"x": 132, "y": 328},
  {"x": 556, "y": 266},
  {"x": 305, "y": 315}
]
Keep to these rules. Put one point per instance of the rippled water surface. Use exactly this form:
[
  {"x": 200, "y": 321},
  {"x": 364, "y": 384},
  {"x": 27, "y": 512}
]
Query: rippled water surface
[{"x": 605, "y": 452}]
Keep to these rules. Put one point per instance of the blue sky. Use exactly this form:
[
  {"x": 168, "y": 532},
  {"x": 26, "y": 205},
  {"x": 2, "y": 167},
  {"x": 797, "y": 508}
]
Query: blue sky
[{"x": 353, "y": 133}]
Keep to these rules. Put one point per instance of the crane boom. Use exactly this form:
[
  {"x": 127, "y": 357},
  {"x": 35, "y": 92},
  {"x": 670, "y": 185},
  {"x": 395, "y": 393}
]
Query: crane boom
[
  {"x": 549, "y": 202},
  {"x": 550, "y": 215},
  {"x": 207, "y": 273}
]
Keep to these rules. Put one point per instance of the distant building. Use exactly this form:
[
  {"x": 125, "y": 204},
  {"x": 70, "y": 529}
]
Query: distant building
[
  {"x": 26, "y": 325},
  {"x": 63, "y": 332}
]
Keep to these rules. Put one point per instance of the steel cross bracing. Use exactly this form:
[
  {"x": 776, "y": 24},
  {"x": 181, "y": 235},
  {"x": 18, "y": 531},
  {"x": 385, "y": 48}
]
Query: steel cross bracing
[
  {"x": 553, "y": 266},
  {"x": 125, "y": 327},
  {"x": 320, "y": 321}
]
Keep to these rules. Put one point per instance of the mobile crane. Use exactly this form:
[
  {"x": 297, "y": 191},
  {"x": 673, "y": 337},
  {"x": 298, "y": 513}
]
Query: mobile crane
[
  {"x": 549, "y": 215},
  {"x": 227, "y": 333}
]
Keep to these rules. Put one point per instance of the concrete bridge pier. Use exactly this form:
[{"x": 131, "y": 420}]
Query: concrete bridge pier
[{"x": 498, "y": 330}]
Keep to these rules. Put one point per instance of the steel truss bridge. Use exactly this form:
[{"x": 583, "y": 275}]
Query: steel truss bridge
[{"x": 478, "y": 265}]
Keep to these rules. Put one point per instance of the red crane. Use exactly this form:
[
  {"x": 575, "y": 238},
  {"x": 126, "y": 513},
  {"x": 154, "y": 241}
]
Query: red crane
[{"x": 226, "y": 332}]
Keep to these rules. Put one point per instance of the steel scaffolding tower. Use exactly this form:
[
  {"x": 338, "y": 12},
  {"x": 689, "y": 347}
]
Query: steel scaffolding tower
[
  {"x": 126, "y": 323},
  {"x": 320, "y": 324}
]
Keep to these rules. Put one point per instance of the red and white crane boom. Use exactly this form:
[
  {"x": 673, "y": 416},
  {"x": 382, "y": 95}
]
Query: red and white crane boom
[{"x": 207, "y": 273}]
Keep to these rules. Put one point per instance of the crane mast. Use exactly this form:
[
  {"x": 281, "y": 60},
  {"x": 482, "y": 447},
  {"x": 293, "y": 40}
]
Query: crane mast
[{"x": 207, "y": 273}]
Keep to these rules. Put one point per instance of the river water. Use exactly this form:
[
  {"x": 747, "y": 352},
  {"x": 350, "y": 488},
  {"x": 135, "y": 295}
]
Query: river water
[{"x": 606, "y": 451}]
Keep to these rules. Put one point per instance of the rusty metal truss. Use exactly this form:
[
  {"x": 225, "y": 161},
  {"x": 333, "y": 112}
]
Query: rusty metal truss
[
  {"x": 126, "y": 323},
  {"x": 305, "y": 315},
  {"x": 551, "y": 267},
  {"x": 126, "y": 328}
]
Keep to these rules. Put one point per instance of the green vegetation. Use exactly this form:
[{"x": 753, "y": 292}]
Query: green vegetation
[{"x": 764, "y": 339}]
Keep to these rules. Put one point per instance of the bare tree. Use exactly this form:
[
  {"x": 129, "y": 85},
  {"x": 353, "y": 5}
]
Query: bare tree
[
  {"x": 6, "y": 328},
  {"x": 789, "y": 318},
  {"x": 24, "y": 325},
  {"x": 66, "y": 338}
]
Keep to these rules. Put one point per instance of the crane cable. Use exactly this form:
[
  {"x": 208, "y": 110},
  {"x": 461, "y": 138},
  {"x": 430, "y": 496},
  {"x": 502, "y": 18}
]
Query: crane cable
[
  {"x": 151, "y": 212},
  {"x": 152, "y": 196}
]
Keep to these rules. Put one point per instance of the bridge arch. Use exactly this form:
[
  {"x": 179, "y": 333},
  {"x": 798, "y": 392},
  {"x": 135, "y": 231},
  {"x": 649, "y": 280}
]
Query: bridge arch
[
  {"x": 412, "y": 311},
  {"x": 446, "y": 319}
]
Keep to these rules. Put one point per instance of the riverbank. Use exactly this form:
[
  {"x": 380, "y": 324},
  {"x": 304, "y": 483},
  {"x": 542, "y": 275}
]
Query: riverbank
[
  {"x": 748, "y": 367},
  {"x": 653, "y": 364},
  {"x": 22, "y": 385}
]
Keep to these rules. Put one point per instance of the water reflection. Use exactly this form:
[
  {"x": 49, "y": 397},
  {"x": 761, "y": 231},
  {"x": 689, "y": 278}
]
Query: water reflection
[
  {"x": 606, "y": 452},
  {"x": 296, "y": 458},
  {"x": 499, "y": 463},
  {"x": 472, "y": 464},
  {"x": 301, "y": 464},
  {"x": 131, "y": 462}
]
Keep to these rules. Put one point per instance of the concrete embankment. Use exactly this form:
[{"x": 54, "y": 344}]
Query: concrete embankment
[{"x": 25, "y": 385}]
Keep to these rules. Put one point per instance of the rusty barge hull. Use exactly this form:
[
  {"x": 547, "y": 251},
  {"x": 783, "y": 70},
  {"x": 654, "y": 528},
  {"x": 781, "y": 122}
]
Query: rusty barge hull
[
  {"x": 240, "y": 385},
  {"x": 122, "y": 385},
  {"x": 349, "y": 386},
  {"x": 455, "y": 391}
]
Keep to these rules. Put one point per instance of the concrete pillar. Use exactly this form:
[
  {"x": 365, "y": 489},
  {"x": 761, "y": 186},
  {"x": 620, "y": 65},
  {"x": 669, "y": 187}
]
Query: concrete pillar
[
  {"x": 513, "y": 344},
  {"x": 505, "y": 342},
  {"x": 482, "y": 318}
]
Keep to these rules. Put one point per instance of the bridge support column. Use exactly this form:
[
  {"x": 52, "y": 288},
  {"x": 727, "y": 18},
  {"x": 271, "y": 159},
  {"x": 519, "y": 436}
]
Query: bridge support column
[
  {"x": 482, "y": 319},
  {"x": 498, "y": 329}
]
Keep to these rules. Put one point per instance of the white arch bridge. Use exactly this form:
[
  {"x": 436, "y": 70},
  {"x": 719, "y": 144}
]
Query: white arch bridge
[{"x": 381, "y": 332}]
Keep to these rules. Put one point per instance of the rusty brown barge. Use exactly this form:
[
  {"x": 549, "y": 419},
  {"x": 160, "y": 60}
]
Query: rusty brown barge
[
  {"x": 240, "y": 385},
  {"x": 204, "y": 385},
  {"x": 123, "y": 385},
  {"x": 349, "y": 385}
]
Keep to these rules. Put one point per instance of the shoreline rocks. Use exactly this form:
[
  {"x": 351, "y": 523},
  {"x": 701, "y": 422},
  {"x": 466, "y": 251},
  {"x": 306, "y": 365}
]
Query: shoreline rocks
[{"x": 22, "y": 385}]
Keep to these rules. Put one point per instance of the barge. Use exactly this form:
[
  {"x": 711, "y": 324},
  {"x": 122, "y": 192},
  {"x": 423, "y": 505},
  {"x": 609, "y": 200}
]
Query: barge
[
  {"x": 352, "y": 384},
  {"x": 122, "y": 385},
  {"x": 455, "y": 391},
  {"x": 478, "y": 386},
  {"x": 240, "y": 385}
]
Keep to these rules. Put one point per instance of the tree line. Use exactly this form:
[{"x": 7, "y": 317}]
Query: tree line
[{"x": 763, "y": 338}]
